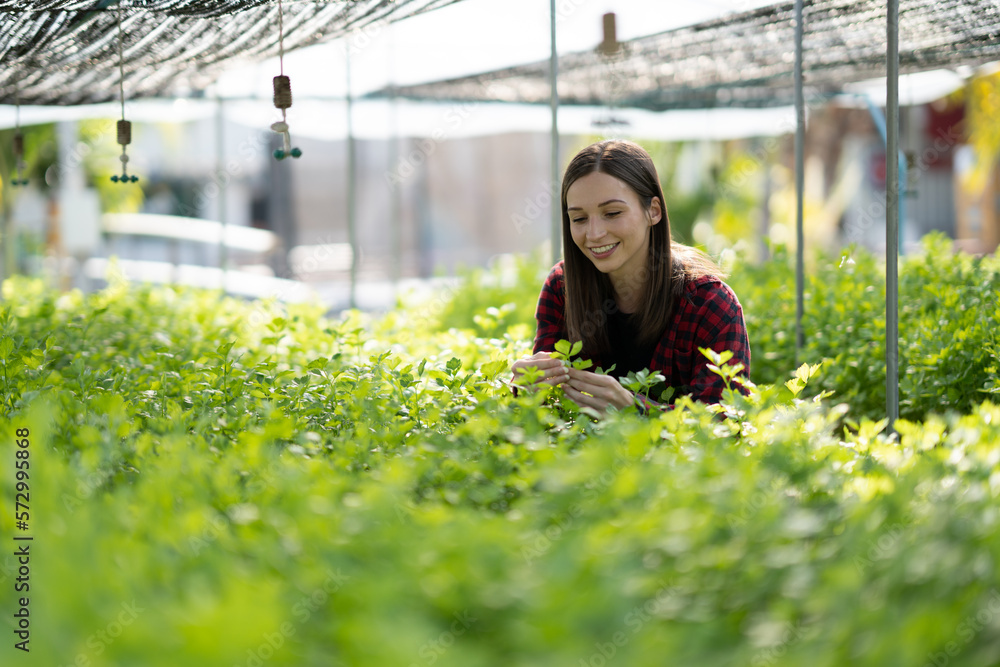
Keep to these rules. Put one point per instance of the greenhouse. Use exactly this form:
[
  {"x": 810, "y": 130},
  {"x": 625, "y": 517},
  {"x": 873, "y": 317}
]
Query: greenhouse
[{"x": 324, "y": 343}]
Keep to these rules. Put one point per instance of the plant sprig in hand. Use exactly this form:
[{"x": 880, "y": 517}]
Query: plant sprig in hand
[{"x": 566, "y": 350}]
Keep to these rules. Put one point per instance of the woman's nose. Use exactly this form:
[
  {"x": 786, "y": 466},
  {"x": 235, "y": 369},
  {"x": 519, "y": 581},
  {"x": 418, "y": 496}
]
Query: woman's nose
[{"x": 595, "y": 229}]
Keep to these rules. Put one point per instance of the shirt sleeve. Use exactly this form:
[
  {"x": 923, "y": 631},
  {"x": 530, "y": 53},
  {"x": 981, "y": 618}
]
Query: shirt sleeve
[
  {"x": 718, "y": 325},
  {"x": 550, "y": 313}
]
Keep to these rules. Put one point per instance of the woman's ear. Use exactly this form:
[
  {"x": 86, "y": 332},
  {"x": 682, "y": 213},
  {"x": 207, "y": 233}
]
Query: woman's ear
[{"x": 655, "y": 212}]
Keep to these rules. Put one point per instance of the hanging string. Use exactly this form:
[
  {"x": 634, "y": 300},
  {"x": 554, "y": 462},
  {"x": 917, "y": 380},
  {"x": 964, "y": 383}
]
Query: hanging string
[
  {"x": 283, "y": 95},
  {"x": 281, "y": 41},
  {"x": 124, "y": 127},
  {"x": 121, "y": 62}
]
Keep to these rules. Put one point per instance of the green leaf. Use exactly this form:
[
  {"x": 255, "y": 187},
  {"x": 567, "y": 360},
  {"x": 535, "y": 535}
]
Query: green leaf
[
  {"x": 795, "y": 385},
  {"x": 803, "y": 373},
  {"x": 6, "y": 347},
  {"x": 493, "y": 368},
  {"x": 318, "y": 364}
]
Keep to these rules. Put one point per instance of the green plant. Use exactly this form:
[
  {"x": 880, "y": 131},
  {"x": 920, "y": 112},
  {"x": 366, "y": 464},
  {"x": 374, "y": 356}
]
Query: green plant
[{"x": 219, "y": 482}]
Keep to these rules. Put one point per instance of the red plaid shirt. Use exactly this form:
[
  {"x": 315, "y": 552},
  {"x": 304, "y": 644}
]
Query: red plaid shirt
[{"x": 708, "y": 315}]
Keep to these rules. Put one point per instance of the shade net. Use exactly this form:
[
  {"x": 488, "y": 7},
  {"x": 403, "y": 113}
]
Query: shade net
[
  {"x": 746, "y": 59},
  {"x": 67, "y": 52}
]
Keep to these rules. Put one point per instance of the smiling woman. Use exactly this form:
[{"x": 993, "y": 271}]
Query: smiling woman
[{"x": 632, "y": 296}]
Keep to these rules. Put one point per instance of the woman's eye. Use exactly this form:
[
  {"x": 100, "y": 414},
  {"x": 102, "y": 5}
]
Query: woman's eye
[
  {"x": 612, "y": 214},
  {"x": 578, "y": 220}
]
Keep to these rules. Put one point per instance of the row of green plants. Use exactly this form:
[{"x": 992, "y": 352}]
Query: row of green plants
[
  {"x": 949, "y": 323},
  {"x": 215, "y": 482},
  {"x": 949, "y": 326}
]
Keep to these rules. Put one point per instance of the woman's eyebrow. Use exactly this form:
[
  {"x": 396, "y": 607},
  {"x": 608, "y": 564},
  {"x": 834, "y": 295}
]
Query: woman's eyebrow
[{"x": 603, "y": 203}]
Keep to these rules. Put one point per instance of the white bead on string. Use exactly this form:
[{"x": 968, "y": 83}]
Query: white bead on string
[{"x": 283, "y": 97}]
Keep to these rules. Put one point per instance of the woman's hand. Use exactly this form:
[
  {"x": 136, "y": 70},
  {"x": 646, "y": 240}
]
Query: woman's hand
[
  {"x": 554, "y": 371},
  {"x": 591, "y": 390}
]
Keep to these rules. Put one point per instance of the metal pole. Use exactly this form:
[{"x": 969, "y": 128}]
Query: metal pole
[
  {"x": 352, "y": 235},
  {"x": 220, "y": 161},
  {"x": 556, "y": 229},
  {"x": 800, "y": 134},
  {"x": 892, "y": 215}
]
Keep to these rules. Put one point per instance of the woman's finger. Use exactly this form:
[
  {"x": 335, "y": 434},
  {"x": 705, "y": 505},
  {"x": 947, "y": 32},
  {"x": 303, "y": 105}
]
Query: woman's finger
[
  {"x": 554, "y": 371},
  {"x": 582, "y": 399},
  {"x": 591, "y": 382},
  {"x": 541, "y": 363},
  {"x": 604, "y": 387}
]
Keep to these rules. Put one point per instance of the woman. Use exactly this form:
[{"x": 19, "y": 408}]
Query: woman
[{"x": 633, "y": 297}]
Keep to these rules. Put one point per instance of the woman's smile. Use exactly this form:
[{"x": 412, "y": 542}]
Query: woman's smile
[{"x": 600, "y": 252}]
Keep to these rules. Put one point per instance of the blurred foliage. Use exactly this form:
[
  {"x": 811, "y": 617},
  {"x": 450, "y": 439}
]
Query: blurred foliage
[
  {"x": 983, "y": 127},
  {"x": 740, "y": 189},
  {"x": 218, "y": 482},
  {"x": 489, "y": 301},
  {"x": 949, "y": 319},
  {"x": 39, "y": 155}
]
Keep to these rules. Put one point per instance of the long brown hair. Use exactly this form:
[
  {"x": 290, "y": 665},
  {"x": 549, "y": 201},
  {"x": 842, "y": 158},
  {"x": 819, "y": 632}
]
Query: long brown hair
[{"x": 590, "y": 297}]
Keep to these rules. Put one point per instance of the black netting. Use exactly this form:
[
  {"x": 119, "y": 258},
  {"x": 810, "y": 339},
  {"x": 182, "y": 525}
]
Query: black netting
[
  {"x": 66, "y": 51},
  {"x": 747, "y": 59}
]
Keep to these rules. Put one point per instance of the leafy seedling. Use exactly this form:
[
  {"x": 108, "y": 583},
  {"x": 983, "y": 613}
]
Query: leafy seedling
[{"x": 566, "y": 350}]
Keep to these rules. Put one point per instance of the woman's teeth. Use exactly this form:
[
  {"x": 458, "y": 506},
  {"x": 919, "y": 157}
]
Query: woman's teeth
[{"x": 600, "y": 250}]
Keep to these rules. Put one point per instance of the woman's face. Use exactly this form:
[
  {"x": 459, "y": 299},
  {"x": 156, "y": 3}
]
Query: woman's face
[{"x": 610, "y": 227}]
